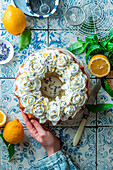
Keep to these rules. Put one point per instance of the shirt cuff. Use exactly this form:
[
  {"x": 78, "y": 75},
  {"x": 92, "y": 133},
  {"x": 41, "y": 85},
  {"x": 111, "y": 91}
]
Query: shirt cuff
[{"x": 56, "y": 158}]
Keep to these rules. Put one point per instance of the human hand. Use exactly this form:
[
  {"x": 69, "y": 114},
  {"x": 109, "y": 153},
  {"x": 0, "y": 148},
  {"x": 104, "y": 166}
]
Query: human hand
[{"x": 42, "y": 135}]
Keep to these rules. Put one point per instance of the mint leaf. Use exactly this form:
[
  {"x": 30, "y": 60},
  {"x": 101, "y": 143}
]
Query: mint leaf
[
  {"x": 75, "y": 46},
  {"x": 109, "y": 46},
  {"x": 80, "y": 40},
  {"x": 24, "y": 39},
  {"x": 98, "y": 107},
  {"x": 92, "y": 39},
  {"x": 10, "y": 147},
  {"x": 94, "y": 49},
  {"x": 80, "y": 50},
  {"x": 104, "y": 42}
]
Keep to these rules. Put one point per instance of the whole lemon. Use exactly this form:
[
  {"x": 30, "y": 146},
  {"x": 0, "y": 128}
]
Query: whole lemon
[
  {"x": 13, "y": 132},
  {"x": 14, "y": 20}
]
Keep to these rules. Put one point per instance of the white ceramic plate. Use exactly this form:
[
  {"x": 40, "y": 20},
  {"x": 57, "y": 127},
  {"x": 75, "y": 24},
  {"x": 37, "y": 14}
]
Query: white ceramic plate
[{"x": 6, "y": 51}]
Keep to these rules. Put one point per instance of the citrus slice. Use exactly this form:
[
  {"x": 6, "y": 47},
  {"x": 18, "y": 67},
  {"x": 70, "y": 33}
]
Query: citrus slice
[
  {"x": 99, "y": 65},
  {"x": 2, "y": 118}
]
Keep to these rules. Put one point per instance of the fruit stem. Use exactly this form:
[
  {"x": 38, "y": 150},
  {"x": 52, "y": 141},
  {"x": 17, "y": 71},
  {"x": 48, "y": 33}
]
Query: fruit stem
[{"x": 9, "y": 145}]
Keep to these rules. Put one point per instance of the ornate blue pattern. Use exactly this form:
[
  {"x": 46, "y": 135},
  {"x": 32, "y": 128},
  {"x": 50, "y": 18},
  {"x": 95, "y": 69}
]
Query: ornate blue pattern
[
  {"x": 28, "y": 152},
  {"x": 105, "y": 148},
  {"x": 10, "y": 104},
  {"x": 45, "y": 33},
  {"x": 105, "y": 117},
  {"x": 86, "y": 149}
]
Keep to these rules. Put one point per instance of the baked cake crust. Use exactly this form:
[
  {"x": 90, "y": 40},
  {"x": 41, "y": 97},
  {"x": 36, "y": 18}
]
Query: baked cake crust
[{"x": 62, "y": 51}]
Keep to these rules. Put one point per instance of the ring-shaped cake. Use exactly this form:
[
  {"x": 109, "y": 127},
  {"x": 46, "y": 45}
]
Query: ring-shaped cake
[{"x": 52, "y": 84}]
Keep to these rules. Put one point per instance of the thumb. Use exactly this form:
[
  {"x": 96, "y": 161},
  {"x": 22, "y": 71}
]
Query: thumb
[{"x": 38, "y": 126}]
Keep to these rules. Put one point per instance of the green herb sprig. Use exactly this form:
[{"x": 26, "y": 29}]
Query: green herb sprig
[{"x": 92, "y": 46}]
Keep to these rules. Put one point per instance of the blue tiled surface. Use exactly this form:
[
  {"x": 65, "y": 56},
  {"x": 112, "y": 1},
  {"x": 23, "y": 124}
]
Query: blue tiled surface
[
  {"x": 29, "y": 151},
  {"x": 94, "y": 151},
  {"x": 105, "y": 148},
  {"x": 105, "y": 117},
  {"x": 8, "y": 101}
]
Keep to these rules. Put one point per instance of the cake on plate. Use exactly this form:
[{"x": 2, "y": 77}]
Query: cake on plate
[{"x": 52, "y": 84}]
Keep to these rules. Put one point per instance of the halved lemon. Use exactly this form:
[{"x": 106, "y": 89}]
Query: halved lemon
[
  {"x": 99, "y": 65},
  {"x": 2, "y": 118}
]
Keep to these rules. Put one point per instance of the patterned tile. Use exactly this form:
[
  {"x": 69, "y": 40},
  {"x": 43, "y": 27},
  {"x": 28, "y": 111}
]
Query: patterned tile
[
  {"x": 29, "y": 151},
  {"x": 8, "y": 101},
  {"x": 105, "y": 148},
  {"x": 38, "y": 41},
  {"x": 83, "y": 156},
  {"x": 35, "y": 23},
  {"x": 26, "y": 155},
  {"x": 105, "y": 117},
  {"x": 64, "y": 39},
  {"x": 104, "y": 14},
  {"x": 101, "y": 12},
  {"x": 102, "y": 34}
]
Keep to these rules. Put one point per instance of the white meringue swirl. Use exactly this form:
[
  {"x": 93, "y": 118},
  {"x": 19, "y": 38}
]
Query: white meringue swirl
[{"x": 73, "y": 85}]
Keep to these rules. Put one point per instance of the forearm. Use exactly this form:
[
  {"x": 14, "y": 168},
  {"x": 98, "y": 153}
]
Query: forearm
[{"x": 52, "y": 151}]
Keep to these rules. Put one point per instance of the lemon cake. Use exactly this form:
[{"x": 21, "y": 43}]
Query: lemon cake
[{"x": 51, "y": 85}]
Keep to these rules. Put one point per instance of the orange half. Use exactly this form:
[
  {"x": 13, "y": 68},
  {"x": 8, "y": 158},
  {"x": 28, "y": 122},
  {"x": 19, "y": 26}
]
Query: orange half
[
  {"x": 99, "y": 65},
  {"x": 2, "y": 118}
]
